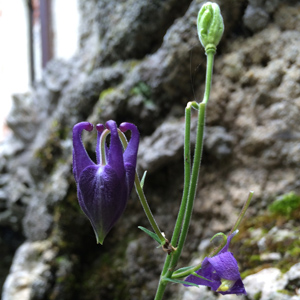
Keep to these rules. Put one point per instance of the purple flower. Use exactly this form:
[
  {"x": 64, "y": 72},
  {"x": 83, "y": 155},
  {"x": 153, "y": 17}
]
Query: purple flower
[
  {"x": 222, "y": 273},
  {"x": 103, "y": 189}
]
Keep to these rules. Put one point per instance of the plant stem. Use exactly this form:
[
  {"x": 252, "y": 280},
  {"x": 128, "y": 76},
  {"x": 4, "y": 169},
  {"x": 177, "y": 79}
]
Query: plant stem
[
  {"x": 187, "y": 174},
  {"x": 190, "y": 184},
  {"x": 171, "y": 260},
  {"x": 142, "y": 197},
  {"x": 209, "y": 71},
  {"x": 192, "y": 188},
  {"x": 147, "y": 209},
  {"x": 241, "y": 215}
]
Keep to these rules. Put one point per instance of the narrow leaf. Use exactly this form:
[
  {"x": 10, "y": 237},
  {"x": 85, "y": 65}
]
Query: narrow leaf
[
  {"x": 143, "y": 179},
  {"x": 181, "y": 281},
  {"x": 150, "y": 233},
  {"x": 183, "y": 269}
]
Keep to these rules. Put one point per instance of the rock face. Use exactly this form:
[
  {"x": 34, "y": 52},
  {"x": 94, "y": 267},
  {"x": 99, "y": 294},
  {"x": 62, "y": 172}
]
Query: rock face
[{"x": 135, "y": 64}]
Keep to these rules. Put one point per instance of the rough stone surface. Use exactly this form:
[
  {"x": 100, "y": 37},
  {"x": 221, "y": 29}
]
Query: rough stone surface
[
  {"x": 294, "y": 272},
  {"x": 267, "y": 281},
  {"x": 141, "y": 63},
  {"x": 30, "y": 272}
]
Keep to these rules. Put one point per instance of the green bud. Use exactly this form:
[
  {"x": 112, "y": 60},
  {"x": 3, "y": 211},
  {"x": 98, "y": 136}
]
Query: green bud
[{"x": 210, "y": 26}]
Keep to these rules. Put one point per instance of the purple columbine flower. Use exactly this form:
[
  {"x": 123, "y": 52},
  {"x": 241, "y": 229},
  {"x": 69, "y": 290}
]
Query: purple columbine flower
[
  {"x": 103, "y": 189},
  {"x": 222, "y": 273}
]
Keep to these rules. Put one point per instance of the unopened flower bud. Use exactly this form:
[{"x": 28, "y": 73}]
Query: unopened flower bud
[{"x": 210, "y": 26}]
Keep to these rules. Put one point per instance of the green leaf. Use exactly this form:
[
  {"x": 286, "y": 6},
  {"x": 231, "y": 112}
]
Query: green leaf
[
  {"x": 150, "y": 233},
  {"x": 181, "y": 270},
  {"x": 180, "y": 281},
  {"x": 143, "y": 179}
]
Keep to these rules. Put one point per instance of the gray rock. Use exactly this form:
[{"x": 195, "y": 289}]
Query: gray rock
[
  {"x": 37, "y": 221},
  {"x": 269, "y": 5},
  {"x": 255, "y": 18},
  {"x": 202, "y": 293},
  {"x": 294, "y": 272},
  {"x": 166, "y": 144},
  {"x": 56, "y": 75},
  {"x": 30, "y": 274},
  {"x": 267, "y": 281},
  {"x": 270, "y": 256},
  {"x": 163, "y": 146},
  {"x": 218, "y": 142},
  {"x": 142, "y": 23}
]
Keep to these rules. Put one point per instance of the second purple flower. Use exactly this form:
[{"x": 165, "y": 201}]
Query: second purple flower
[{"x": 221, "y": 271}]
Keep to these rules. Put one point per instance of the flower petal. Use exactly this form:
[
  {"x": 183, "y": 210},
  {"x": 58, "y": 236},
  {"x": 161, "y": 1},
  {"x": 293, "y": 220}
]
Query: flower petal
[
  {"x": 104, "y": 198},
  {"x": 130, "y": 153},
  {"x": 115, "y": 155},
  {"x": 238, "y": 288},
  {"x": 225, "y": 265},
  {"x": 229, "y": 238},
  {"x": 206, "y": 271},
  {"x": 81, "y": 160}
]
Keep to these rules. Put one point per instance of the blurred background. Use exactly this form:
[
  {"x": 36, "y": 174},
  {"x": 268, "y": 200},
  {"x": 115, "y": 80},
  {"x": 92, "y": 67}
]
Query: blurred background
[{"x": 32, "y": 33}]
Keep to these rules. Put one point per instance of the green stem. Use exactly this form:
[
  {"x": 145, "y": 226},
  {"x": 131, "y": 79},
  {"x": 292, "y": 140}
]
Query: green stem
[
  {"x": 187, "y": 174},
  {"x": 171, "y": 260},
  {"x": 209, "y": 71},
  {"x": 142, "y": 197},
  {"x": 161, "y": 288},
  {"x": 147, "y": 209},
  {"x": 244, "y": 209},
  {"x": 192, "y": 188}
]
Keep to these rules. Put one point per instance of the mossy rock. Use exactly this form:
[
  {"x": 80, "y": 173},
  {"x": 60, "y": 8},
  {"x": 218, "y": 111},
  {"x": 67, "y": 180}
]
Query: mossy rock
[{"x": 274, "y": 231}]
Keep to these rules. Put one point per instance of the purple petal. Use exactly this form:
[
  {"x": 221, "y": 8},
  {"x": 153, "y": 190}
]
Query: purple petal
[
  {"x": 104, "y": 198},
  {"x": 225, "y": 265},
  {"x": 229, "y": 238},
  {"x": 130, "y": 176},
  {"x": 81, "y": 160},
  {"x": 130, "y": 153},
  {"x": 238, "y": 288},
  {"x": 206, "y": 271},
  {"x": 115, "y": 155}
]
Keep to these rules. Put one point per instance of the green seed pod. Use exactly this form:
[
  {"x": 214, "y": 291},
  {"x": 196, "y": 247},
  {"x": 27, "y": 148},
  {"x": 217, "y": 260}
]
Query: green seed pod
[{"x": 210, "y": 26}]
